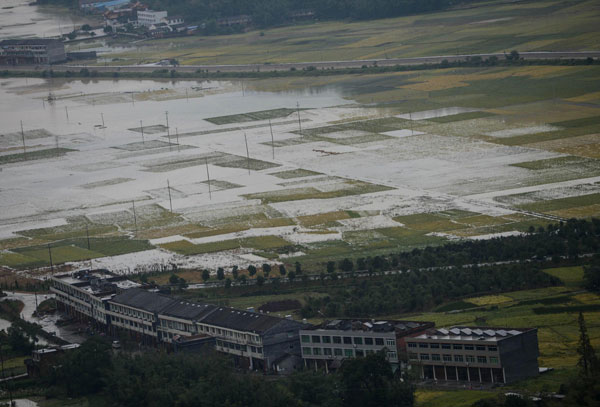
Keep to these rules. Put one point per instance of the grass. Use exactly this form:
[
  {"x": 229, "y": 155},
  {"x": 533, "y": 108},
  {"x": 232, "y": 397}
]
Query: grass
[
  {"x": 297, "y": 173},
  {"x": 490, "y": 300},
  {"x": 562, "y": 203},
  {"x": 264, "y": 242},
  {"x": 34, "y": 155},
  {"x": 297, "y": 194},
  {"x": 570, "y": 276},
  {"x": 322, "y": 218},
  {"x": 257, "y": 242},
  {"x": 555, "y": 162},
  {"x": 460, "y": 117},
  {"x": 454, "y": 398},
  {"x": 253, "y": 116}
]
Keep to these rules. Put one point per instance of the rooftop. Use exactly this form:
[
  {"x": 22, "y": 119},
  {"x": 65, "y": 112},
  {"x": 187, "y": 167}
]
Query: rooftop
[
  {"x": 96, "y": 282},
  {"x": 241, "y": 320},
  {"x": 372, "y": 325},
  {"x": 464, "y": 333},
  {"x": 30, "y": 41},
  {"x": 144, "y": 300}
]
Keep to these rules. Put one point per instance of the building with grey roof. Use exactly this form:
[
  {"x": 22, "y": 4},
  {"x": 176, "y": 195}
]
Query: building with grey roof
[
  {"x": 327, "y": 345},
  {"x": 36, "y": 51},
  {"x": 475, "y": 354}
]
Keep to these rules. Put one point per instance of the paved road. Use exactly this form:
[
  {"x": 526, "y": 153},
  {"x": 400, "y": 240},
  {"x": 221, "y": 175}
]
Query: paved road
[{"x": 318, "y": 65}]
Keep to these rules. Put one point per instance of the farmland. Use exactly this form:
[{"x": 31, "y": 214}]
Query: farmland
[{"x": 377, "y": 163}]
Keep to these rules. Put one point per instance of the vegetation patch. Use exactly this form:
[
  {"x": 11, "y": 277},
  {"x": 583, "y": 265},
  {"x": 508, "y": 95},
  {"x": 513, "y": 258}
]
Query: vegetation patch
[
  {"x": 562, "y": 203},
  {"x": 188, "y": 249},
  {"x": 264, "y": 242},
  {"x": 249, "y": 117},
  {"x": 297, "y": 173},
  {"x": 34, "y": 155},
  {"x": 490, "y": 300},
  {"x": 570, "y": 276},
  {"x": 322, "y": 218},
  {"x": 455, "y": 306},
  {"x": 460, "y": 117}
]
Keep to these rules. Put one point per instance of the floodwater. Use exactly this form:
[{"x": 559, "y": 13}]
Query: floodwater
[{"x": 20, "y": 20}]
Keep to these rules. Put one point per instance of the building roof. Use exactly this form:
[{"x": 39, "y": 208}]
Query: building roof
[
  {"x": 464, "y": 333},
  {"x": 30, "y": 41},
  {"x": 372, "y": 325},
  {"x": 187, "y": 310},
  {"x": 144, "y": 300},
  {"x": 241, "y": 320}
]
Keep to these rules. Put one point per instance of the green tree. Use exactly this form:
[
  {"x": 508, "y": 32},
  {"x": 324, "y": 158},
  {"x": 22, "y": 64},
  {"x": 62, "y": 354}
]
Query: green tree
[
  {"x": 591, "y": 276},
  {"x": 220, "y": 273},
  {"x": 346, "y": 265},
  {"x": 298, "y": 267},
  {"x": 282, "y": 270},
  {"x": 251, "y": 270},
  {"x": 235, "y": 272},
  {"x": 266, "y": 268},
  {"x": 227, "y": 283},
  {"x": 292, "y": 276},
  {"x": 370, "y": 381},
  {"x": 86, "y": 27},
  {"x": 260, "y": 280},
  {"x": 205, "y": 275},
  {"x": 330, "y": 267}
]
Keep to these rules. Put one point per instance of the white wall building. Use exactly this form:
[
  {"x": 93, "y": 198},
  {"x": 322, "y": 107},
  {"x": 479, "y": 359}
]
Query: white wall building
[{"x": 150, "y": 17}]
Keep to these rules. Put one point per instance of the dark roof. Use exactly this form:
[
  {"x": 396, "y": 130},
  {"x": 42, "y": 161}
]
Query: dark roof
[
  {"x": 144, "y": 300},
  {"x": 30, "y": 41},
  {"x": 241, "y": 320},
  {"x": 187, "y": 310}
]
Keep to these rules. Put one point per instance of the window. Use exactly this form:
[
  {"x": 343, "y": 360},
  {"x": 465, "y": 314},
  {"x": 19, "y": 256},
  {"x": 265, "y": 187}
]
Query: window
[
  {"x": 359, "y": 353},
  {"x": 413, "y": 356},
  {"x": 481, "y": 359},
  {"x": 424, "y": 356},
  {"x": 348, "y": 353},
  {"x": 469, "y": 347},
  {"x": 493, "y": 348},
  {"x": 337, "y": 339},
  {"x": 457, "y": 346},
  {"x": 369, "y": 341},
  {"x": 307, "y": 351},
  {"x": 358, "y": 340},
  {"x": 412, "y": 345},
  {"x": 494, "y": 360},
  {"x": 347, "y": 340},
  {"x": 435, "y": 356},
  {"x": 447, "y": 358},
  {"x": 434, "y": 345},
  {"x": 470, "y": 359},
  {"x": 458, "y": 358},
  {"x": 253, "y": 349},
  {"x": 327, "y": 351},
  {"x": 379, "y": 341},
  {"x": 392, "y": 355},
  {"x": 446, "y": 346},
  {"x": 305, "y": 339},
  {"x": 480, "y": 347},
  {"x": 423, "y": 345},
  {"x": 259, "y": 349},
  {"x": 326, "y": 339},
  {"x": 317, "y": 351},
  {"x": 316, "y": 339},
  {"x": 337, "y": 352},
  {"x": 390, "y": 342}
]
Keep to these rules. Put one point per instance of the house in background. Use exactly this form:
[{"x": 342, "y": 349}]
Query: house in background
[{"x": 32, "y": 52}]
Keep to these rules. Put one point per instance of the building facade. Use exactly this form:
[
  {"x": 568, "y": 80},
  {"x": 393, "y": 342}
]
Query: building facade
[
  {"x": 475, "y": 354},
  {"x": 327, "y": 345},
  {"x": 31, "y": 52},
  {"x": 150, "y": 17}
]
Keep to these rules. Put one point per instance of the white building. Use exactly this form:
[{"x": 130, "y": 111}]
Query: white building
[{"x": 150, "y": 17}]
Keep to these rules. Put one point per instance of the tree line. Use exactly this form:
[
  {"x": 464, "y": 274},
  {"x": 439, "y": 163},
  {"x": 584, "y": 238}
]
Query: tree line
[{"x": 159, "y": 379}]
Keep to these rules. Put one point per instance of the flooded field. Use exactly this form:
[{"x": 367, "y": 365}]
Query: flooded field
[{"x": 207, "y": 174}]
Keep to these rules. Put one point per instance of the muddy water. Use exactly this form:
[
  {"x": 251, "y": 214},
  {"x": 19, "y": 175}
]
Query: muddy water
[{"x": 19, "y": 20}]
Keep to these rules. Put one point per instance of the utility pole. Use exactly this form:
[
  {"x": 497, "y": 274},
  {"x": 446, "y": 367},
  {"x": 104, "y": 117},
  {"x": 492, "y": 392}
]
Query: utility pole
[
  {"x": 177, "y": 137},
  {"x": 168, "y": 132},
  {"x": 187, "y": 98},
  {"x": 23, "y": 136},
  {"x": 142, "y": 130},
  {"x": 170, "y": 201},
  {"x": 299, "y": 122},
  {"x": 412, "y": 133},
  {"x": 50, "y": 256},
  {"x": 208, "y": 177},
  {"x": 87, "y": 233},
  {"x": 247, "y": 152},
  {"x": 272, "y": 139},
  {"x": 102, "y": 116},
  {"x": 67, "y": 113},
  {"x": 134, "y": 219},
  {"x": 132, "y": 98}
]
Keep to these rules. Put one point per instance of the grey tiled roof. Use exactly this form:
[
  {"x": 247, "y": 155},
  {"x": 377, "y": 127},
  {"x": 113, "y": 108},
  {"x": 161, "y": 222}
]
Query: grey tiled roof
[
  {"x": 241, "y": 320},
  {"x": 187, "y": 310},
  {"x": 144, "y": 300}
]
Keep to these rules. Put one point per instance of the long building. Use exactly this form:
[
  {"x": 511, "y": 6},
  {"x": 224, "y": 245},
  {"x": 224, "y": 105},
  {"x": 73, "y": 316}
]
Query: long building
[
  {"x": 475, "y": 354},
  {"x": 327, "y": 345},
  {"x": 257, "y": 341},
  {"x": 32, "y": 52}
]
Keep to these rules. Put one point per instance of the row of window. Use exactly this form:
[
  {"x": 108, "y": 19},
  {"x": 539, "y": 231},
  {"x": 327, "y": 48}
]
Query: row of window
[
  {"x": 436, "y": 357},
  {"x": 237, "y": 346},
  {"x": 348, "y": 353},
  {"x": 348, "y": 340},
  {"x": 455, "y": 346}
]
